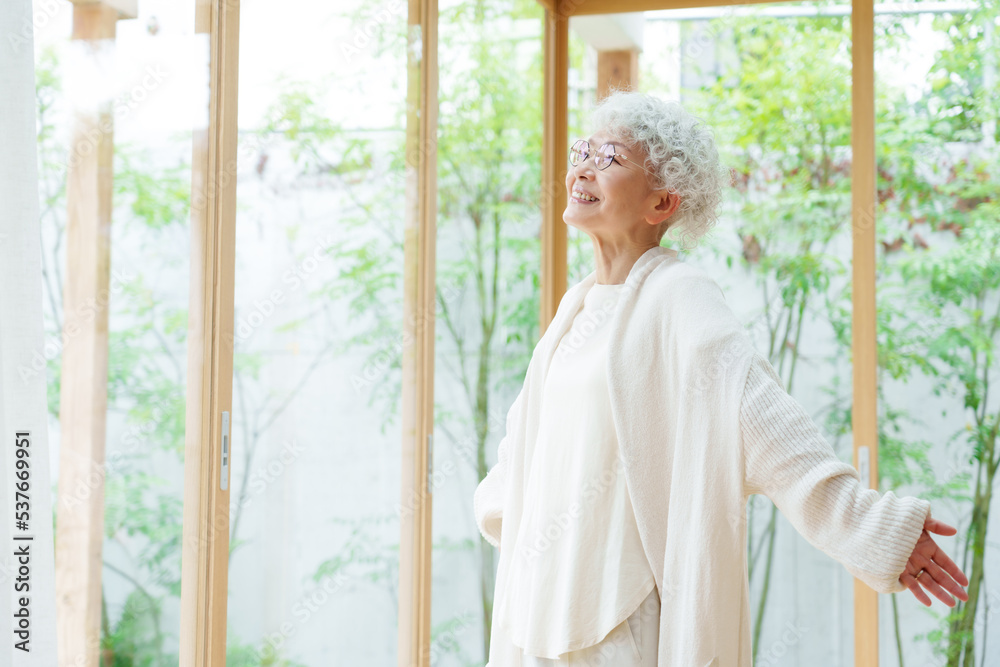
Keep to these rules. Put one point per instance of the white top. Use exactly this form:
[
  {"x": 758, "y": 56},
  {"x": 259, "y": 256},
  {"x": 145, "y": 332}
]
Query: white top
[
  {"x": 702, "y": 422},
  {"x": 578, "y": 567}
]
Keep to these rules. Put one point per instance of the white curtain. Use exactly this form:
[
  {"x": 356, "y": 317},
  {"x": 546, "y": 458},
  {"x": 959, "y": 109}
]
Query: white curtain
[{"x": 27, "y": 592}]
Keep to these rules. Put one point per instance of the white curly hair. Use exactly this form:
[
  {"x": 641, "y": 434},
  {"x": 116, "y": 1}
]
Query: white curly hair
[{"x": 680, "y": 149}]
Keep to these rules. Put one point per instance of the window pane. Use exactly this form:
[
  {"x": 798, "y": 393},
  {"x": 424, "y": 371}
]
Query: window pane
[
  {"x": 318, "y": 321},
  {"x": 120, "y": 110},
  {"x": 937, "y": 295},
  {"x": 487, "y": 290}
]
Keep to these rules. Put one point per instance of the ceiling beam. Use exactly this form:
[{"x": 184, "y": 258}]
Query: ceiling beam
[
  {"x": 794, "y": 11},
  {"x": 127, "y": 9},
  {"x": 585, "y": 7}
]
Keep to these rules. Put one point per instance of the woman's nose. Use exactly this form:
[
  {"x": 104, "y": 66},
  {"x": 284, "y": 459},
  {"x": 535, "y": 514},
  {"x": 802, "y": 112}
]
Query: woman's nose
[{"x": 584, "y": 168}]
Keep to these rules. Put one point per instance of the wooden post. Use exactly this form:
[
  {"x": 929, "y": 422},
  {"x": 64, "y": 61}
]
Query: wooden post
[
  {"x": 419, "y": 241},
  {"x": 555, "y": 162},
  {"x": 617, "y": 69},
  {"x": 864, "y": 417},
  {"x": 207, "y": 449},
  {"x": 84, "y": 382}
]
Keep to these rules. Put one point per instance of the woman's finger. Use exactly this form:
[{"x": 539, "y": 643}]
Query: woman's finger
[
  {"x": 943, "y": 560},
  {"x": 945, "y": 580},
  {"x": 914, "y": 585},
  {"x": 939, "y": 527},
  {"x": 928, "y": 580}
]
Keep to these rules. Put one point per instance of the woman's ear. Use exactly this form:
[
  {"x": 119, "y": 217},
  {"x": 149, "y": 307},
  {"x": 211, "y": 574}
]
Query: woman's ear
[{"x": 667, "y": 206}]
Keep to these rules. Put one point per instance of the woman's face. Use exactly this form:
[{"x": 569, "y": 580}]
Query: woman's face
[{"x": 626, "y": 206}]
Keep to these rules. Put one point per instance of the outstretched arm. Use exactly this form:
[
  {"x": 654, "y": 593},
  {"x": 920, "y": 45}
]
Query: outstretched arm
[{"x": 787, "y": 459}]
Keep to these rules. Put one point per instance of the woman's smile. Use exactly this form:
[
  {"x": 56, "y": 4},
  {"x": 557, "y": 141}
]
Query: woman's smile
[{"x": 580, "y": 197}]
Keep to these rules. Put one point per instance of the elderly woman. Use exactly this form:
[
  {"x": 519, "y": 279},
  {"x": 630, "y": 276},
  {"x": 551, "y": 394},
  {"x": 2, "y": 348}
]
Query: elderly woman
[{"x": 646, "y": 420}]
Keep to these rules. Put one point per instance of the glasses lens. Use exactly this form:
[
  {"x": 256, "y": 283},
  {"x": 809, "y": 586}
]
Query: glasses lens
[
  {"x": 578, "y": 153},
  {"x": 605, "y": 156}
]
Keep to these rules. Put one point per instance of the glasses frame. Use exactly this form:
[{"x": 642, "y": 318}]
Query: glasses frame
[{"x": 583, "y": 146}]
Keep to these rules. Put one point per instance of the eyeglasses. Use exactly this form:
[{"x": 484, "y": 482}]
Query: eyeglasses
[{"x": 580, "y": 151}]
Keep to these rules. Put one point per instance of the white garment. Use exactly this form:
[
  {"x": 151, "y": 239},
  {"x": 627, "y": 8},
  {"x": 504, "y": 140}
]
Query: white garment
[
  {"x": 578, "y": 569},
  {"x": 703, "y": 422},
  {"x": 632, "y": 643}
]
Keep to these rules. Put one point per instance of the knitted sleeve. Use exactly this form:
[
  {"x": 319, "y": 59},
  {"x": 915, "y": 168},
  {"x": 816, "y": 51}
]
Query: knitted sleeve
[
  {"x": 489, "y": 496},
  {"x": 787, "y": 459}
]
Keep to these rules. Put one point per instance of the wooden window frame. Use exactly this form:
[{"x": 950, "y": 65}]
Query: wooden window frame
[
  {"x": 206, "y": 522},
  {"x": 863, "y": 324},
  {"x": 205, "y": 549}
]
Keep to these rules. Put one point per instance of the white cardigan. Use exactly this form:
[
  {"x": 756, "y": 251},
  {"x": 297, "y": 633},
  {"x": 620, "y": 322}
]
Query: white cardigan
[
  {"x": 578, "y": 569},
  {"x": 678, "y": 369}
]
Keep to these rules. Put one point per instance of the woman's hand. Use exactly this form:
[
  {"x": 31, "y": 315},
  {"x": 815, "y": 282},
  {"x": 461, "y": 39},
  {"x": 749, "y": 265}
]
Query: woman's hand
[{"x": 938, "y": 570}]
